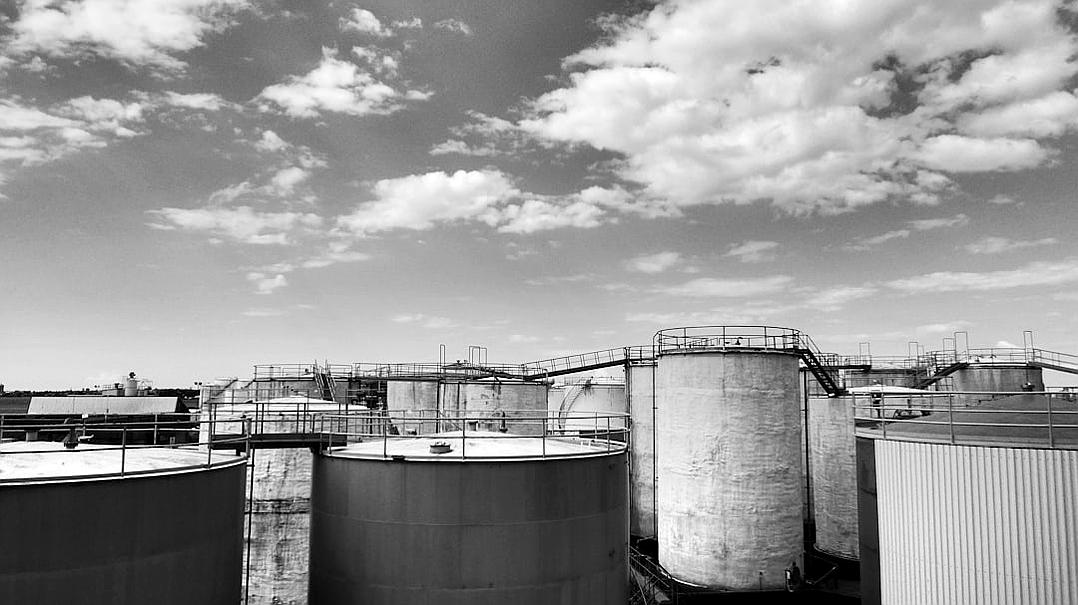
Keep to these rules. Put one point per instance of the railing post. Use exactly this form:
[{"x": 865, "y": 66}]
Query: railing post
[
  {"x": 123, "y": 451},
  {"x": 1051, "y": 440},
  {"x": 155, "y": 423},
  {"x": 950, "y": 416}
]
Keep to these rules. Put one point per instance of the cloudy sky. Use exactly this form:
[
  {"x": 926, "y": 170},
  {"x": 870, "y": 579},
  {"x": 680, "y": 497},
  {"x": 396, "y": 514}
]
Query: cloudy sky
[{"x": 190, "y": 187}]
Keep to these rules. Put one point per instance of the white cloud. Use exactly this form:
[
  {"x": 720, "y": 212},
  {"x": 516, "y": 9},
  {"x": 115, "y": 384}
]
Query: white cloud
[
  {"x": 943, "y": 327},
  {"x": 336, "y": 86},
  {"x": 240, "y": 224},
  {"x": 270, "y": 141},
  {"x": 864, "y": 243},
  {"x": 728, "y": 288},
  {"x": 430, "y": 322},
  {"x": 455, "y": 26},
  {"x": 412, "y": 23},
  {"x": 364, "y": 21},
  {"x": 837, "y": 297},
  {"x": 753, "y": 251},
  {"x": 421, "y": 201},
  {"x": 262, "y": 312},
  {"x": 852, "y": 104},
  {"x": 138, "y": 34},
  {"x": 997, "y": 245},
  {"x": 267, "y": 284},
  {"x": 202, "y": 100},
  {"x": 654, "y": 263},
  {"x": 284, "y": 181},
  {"x": 1035, "y": 274},
  {"x": 955, "y": 153}
]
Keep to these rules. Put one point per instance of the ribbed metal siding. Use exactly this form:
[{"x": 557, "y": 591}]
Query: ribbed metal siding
[{"x": 984, "y": 525}]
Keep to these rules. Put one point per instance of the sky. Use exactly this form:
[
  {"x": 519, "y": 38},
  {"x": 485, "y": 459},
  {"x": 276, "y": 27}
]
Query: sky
[{"x": 191, "y": 187}]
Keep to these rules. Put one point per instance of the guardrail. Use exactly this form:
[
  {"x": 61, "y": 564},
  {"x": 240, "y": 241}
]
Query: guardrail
[
  {"x": 607, "y": 432},
  {"x": 1018, "y": 419},
  {"x": 96, "y": 438}
]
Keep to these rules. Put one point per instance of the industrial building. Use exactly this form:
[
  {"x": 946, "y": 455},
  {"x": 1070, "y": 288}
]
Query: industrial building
[{"x": 725, "y": 462}]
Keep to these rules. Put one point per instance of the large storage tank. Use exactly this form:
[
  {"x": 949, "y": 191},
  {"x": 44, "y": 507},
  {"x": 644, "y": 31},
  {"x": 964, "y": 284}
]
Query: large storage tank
[
  {"x": 832, "y": 460},
  {"x": 980, "y": 511},
  {"x": 571, "y": 405},
  {"x": 280, "y": 503},
  {"x": 999, "y": 377},
  {"x": 728, "y": 459},
  {"x": 168, "y": 530},
  {"x": 640, "y": 386},
  {"x": 488, "y": 398},
  {"x": 528, "y": 521}
]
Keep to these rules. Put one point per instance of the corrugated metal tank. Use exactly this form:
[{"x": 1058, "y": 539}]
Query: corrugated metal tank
[
  {"x": 172, "y": 536},
  {"x": 833, "y": 460},
  {"x": 728, "y": 462},
  {"x": 640, "y": 387},
  {"x": 515, "y": 529},
  {"x": 969, "y": 524}
]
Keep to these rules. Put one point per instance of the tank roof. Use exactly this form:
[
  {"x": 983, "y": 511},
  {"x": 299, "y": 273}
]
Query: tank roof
[
  {"x": 1016, "y": 420},
  {"x": 478, "y": 445},
  {"x": 37, "y": 461}
]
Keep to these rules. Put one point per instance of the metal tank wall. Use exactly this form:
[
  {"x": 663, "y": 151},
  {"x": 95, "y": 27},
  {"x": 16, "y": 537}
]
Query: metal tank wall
[
  {"x": 833, "y": 461},
  {"x": 986, "y": 525},
  {"x": 405, "y": 395},
  {"x": 167, "y": 539},
  {"x": 571, "y": 404},
  {"x": 640, "y": 388},
  {"x": 491, "y": 398},
  {"x": 532, "y": 532},
  {"x": 728, "y": 462},
  {"x": 997, "y": 377},
  {"x": 891, "y": 377}
]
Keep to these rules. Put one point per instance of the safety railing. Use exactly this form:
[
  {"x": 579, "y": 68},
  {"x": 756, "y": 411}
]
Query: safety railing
[
  {"x": 721, "y": 337},
  {"x": 434, "y": 371},
  {"x": 1019, "y": 419},
  {"x": 528, "y": 433},
  {"x": 111, "y": 448},
  {"x": 298, "y": 415}
]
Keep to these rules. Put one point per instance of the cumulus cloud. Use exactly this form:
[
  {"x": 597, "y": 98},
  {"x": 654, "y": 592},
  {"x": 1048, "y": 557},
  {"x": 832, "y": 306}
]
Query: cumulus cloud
[
  {"x": 753, "y": 251},
  {"x": 852, "y": 104},
  {"x": 241, "y": 224},
  {"x": 266, "y": 284},
  {"x": 654, "y": 263},
  {"x": 336, "y": 86},
  {"x": 363, "y": 21},
  {"x": 137, "y": 34},
  {"x": 997, "y": 245},
  {"x": 454, "y": 25},
  {"x": 421, "y": 201}
]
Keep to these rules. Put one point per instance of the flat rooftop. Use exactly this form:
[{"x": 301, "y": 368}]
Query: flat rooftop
[{"x": 34, "y": 461}]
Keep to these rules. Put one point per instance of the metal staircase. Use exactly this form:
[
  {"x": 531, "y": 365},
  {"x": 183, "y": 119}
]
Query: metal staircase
[
  {"x": 325, "y": 383},
  {"x": 811, "y": 356}
]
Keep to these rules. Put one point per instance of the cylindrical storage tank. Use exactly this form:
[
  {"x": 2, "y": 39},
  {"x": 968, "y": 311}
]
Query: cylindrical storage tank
[
  {"x": 640, "y": 386},
  {"x": 168, "y": 531},
  {"x": 832, "y": 461},
  {"x": 515, "y": 520},
  {"x": 406, "y": 395},
  {"x": 510, "y": 399},
  {"x": 280, "y": 504},
  {"x": 890, "y": 377},
  {"x": 728, "y": 466},
  {"x": 131, "y": 386},
  {"x": 998, "y": 377},
  {"x": 572, "y": 405}
]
